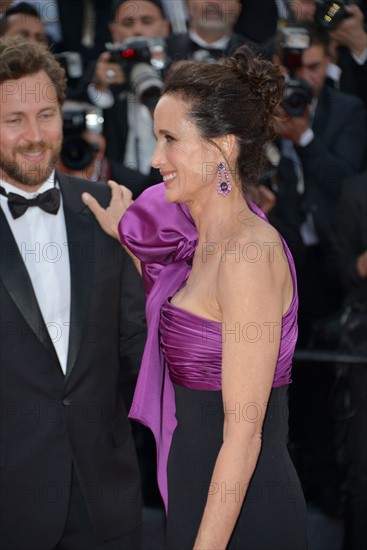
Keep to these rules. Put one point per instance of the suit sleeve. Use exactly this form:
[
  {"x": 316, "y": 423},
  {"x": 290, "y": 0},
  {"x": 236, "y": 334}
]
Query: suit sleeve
[
  {"x": 132, "y": 326},
  {"x": 328, "y": 165}
]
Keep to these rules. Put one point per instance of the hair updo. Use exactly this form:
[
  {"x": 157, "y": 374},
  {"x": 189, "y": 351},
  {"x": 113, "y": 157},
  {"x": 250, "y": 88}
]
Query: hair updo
[{"x": 238, "y": 96}]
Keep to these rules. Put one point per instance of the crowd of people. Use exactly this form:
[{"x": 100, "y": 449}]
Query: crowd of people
[{"x": 250, "y": 112}]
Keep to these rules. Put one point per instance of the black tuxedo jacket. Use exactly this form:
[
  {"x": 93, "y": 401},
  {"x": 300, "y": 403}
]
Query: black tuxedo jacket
[{"x": 49, "y": 420}]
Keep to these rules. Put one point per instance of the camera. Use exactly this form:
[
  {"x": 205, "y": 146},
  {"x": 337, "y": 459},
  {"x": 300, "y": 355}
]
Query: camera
[
  {"x": 142, "y": 59},
  {"x": 298, "y": 93},
  {"x": 330, "y": 14},
  {"x": 71, "y": 62},
  {"x": 76, "y": 152},
  {"x": 297, "y": 96}
]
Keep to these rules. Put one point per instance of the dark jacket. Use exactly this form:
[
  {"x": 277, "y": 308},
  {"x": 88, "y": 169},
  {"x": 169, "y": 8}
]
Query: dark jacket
[{"x": 50, "y": 420}]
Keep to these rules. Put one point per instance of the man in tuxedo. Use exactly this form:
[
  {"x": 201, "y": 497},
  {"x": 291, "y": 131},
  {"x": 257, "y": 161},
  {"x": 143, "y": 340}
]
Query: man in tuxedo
[
  {"x": 72, "y": 333},
  {"x": 210, "y": 34}
]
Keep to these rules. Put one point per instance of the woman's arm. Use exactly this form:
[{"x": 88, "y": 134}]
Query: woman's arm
[
  {"x": 109, "y": 218},
  {"x": 251, "y": 296}
]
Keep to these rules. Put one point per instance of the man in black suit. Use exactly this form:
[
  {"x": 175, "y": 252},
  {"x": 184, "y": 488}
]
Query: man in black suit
[
  {"x": 72, "y": 332},
  {"x": 351, "y": 266},
  {"x": 210, "y": 34},
  {"x": 320, "y": 147}
]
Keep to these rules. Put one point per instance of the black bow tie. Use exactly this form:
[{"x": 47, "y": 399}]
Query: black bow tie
[{"x": 49, "y": 201}]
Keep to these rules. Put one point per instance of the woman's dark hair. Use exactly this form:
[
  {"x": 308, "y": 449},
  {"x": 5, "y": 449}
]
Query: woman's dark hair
[
  {"x": 19, "y": 58},
  {"x": 238, "y": 96}
]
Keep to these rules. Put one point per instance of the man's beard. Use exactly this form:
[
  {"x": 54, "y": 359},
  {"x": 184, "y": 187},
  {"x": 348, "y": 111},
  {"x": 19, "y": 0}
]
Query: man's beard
[{"x": 39, "y": 174}]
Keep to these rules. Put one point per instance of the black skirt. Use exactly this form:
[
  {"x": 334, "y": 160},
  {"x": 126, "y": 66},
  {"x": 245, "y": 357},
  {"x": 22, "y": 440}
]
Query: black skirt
[{"x": 273, "y": 516}]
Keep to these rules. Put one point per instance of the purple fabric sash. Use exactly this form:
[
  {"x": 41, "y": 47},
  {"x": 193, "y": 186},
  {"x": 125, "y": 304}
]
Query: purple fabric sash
[{"x": 163, "y": 236}]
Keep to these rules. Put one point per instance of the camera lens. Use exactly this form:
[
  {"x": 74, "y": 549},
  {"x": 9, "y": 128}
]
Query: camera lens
[
  {"x": 329, "y": 14},
  {"x": 146, "y": 84},
  {"x": 298, "y": 95},
  {"x": 76, "y": 153}
]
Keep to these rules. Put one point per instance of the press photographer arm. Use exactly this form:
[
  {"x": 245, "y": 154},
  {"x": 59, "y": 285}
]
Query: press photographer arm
[
  {"x": 295, "y": 128},
  {"x": 351, "y": 33},
  {"x": 107, "y": 72}
]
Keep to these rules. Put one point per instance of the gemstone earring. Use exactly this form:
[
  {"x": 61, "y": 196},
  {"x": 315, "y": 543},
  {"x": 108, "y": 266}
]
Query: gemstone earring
[{"x": 224, "y": 186}]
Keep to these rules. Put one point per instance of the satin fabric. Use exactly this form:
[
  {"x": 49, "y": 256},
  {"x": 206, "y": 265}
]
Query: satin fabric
[{"x": 164, "y": 238}]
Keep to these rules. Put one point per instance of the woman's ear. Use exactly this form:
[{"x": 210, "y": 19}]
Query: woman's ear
[{"x": 227, "y": 145}]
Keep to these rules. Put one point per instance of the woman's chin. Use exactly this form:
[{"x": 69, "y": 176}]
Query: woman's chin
[{"x": 171, "y": 196}]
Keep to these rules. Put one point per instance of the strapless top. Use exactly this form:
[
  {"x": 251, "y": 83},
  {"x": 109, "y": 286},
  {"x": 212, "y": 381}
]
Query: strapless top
[
  {"x": 164, "y": 238},
  {"x": 192, "y": 347}
]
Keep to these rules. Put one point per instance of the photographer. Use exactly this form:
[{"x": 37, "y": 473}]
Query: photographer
[
  {"x": 322, "y": 140},
  {"x": 83, "y": 150},
  {"x": 349, "y": 42},
  {"x": 345, "y": 23},
  {"x": 128, "y": 127}
]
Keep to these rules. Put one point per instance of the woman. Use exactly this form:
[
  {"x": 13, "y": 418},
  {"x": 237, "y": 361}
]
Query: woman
[{"x": 221, "y": 310}]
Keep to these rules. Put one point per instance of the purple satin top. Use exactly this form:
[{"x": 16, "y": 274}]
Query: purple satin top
[{"x": 163, "y": 236}]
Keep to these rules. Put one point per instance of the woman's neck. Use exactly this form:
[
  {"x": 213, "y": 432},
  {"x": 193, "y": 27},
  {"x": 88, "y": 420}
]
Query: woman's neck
[{"x": 216, "y": 219}]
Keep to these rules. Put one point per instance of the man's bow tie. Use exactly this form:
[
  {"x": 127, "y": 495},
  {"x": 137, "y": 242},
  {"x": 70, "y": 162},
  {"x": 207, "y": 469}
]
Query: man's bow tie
[{"x": 49, "y": 201}]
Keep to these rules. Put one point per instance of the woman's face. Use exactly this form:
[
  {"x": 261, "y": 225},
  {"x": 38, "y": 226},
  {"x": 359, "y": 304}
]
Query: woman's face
[{"x": 187, "y": 163}]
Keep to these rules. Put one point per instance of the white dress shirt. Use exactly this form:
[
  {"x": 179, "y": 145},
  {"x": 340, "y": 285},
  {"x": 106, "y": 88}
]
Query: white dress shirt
[
  {"x": 219, "y": 44},
  {"x": 42, "y": 242}
]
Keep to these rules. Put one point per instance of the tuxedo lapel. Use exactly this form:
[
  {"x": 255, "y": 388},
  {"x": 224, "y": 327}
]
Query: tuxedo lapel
[
  {"x": 16, "y": 280},
  {"x": 80, "y": 233}
]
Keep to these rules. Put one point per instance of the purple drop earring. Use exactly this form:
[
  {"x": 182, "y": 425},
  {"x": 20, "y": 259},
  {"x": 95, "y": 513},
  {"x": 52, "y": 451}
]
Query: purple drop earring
[{"x": 224, "y": 186}]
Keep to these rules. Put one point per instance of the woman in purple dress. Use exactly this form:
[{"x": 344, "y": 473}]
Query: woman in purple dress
[{"x": 221, "y": 310}]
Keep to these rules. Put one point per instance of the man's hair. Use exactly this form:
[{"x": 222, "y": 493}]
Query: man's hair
[
  {"x": 23, "y": 8},
  {"x": 117, "y": 3},
  {"x": 19, "y": 58}
]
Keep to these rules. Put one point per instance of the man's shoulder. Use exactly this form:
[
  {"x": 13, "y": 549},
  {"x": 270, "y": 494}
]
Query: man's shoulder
[
  {"x": 72, "y": 188},
  {"x": 340, "y": 99}
]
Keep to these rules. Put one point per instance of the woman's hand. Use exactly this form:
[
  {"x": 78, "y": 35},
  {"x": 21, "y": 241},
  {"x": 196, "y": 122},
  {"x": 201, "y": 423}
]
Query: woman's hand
[{"x": 109, "y": 218}]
